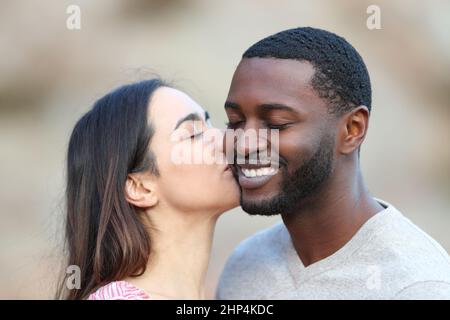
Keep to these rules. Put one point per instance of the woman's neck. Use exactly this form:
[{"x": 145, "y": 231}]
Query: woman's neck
[{"x": 180, "y": 251}]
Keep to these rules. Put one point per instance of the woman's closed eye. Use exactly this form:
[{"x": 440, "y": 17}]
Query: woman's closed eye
[
  {"x": 196, "y": 129},
  {"x": 196, "y": 135}
]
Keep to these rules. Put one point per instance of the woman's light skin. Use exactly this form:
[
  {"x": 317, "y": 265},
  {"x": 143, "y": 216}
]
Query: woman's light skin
[{"x": 181, "y": 205}]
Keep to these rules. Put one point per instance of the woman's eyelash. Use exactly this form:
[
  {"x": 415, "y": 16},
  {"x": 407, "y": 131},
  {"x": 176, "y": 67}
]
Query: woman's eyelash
[{"x": 196, "y": 135}]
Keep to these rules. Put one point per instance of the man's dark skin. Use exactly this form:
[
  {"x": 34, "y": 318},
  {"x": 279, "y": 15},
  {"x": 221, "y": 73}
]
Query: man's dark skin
[{"x": 323, "y": 222}]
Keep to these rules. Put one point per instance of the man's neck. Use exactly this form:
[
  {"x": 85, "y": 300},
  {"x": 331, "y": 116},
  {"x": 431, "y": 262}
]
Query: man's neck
[{"x": 323, "y": 225}]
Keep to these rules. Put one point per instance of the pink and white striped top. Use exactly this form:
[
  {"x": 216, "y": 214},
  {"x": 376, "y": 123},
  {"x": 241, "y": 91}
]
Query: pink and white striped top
[{"x": 119, "y": 290}]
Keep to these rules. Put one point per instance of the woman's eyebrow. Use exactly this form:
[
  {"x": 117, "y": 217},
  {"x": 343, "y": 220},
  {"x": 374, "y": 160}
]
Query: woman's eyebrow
[{"x": 190, "y": 117}]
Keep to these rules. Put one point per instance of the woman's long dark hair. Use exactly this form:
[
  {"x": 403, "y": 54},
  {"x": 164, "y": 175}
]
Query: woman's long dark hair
[{"x": 105, "y": 236}]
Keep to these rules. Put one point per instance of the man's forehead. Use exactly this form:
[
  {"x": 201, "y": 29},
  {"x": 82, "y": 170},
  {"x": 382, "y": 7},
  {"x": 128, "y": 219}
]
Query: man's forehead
[
  {"x": 270, "y": 78},
  {"x": 259, "y": 81},
  {"x": 273, "y": 69}
]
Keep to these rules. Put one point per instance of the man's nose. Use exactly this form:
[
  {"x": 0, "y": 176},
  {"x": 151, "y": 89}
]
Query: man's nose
[{"x": 250, "y": 141}]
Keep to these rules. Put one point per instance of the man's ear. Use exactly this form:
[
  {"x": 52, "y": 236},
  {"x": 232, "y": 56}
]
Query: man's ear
[
  {"x": 353, "y": 129},
  {"x": 140, "y": 190}
]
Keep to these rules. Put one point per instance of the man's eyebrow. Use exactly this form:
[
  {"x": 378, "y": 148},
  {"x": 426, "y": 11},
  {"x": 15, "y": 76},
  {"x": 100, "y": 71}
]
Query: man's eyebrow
[
  {"x": 276, "y": 106},
  {"x": 264, "y": 107},
  {"x": 189, "y": 117},
  {"x": 232, "y": 105}
]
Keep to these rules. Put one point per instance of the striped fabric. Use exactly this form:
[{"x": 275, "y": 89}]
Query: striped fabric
[{"x": 119, "y": 290}]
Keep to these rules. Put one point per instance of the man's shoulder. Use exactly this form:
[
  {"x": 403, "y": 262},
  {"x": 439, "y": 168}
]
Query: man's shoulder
[
  {"x": 400, "y": 233},
  {"x": 407, "y": 251}
]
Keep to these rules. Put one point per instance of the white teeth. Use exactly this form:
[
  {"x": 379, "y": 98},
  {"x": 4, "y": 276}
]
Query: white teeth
[{"x": 251, "y": 173}]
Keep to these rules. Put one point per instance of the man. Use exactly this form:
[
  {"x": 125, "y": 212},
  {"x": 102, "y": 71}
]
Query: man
[{"x": 336, "y": 241}]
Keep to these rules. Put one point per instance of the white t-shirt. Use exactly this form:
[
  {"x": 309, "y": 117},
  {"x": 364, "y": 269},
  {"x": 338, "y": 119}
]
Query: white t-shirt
[{"x": 388, "y": 258}]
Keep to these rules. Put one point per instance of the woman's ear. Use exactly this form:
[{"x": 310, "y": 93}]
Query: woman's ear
[
  {"x": 353, "y": 129},
  {"x": 140, "y": 190}
]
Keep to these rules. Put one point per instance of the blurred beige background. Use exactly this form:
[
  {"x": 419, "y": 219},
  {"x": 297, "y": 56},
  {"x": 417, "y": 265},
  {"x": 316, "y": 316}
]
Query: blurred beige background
[{"x": 50, "y": 75}]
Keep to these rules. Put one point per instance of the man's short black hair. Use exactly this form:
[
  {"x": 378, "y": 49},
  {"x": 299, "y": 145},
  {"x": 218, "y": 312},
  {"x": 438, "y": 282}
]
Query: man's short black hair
[{"x": 340, "y": 77}]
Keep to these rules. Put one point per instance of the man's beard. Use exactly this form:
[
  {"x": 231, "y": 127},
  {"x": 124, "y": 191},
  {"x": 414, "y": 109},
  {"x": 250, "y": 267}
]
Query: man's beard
[{"x": 306, "y": 181}]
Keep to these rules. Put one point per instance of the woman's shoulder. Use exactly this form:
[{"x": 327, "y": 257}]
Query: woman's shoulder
[{"x": 119, "y": 290}]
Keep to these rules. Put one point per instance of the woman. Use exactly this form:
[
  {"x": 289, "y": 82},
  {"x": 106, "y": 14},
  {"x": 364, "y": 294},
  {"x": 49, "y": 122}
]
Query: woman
[{"x": 139, "y": 224}]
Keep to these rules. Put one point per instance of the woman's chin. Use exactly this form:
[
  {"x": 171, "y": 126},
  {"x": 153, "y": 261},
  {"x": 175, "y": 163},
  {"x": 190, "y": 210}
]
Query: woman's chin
[{"x": 231, "y": 200}]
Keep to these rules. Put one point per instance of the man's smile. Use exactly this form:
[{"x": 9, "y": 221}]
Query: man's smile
[{"x": 255, "y": 176}]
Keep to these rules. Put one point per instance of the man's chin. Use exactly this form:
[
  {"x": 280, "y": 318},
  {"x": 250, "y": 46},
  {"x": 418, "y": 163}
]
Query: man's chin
[{"x": 265, "y": 206}]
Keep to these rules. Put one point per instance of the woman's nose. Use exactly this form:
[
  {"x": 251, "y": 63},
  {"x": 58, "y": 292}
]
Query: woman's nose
[{"x": 214, "y": 143}]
